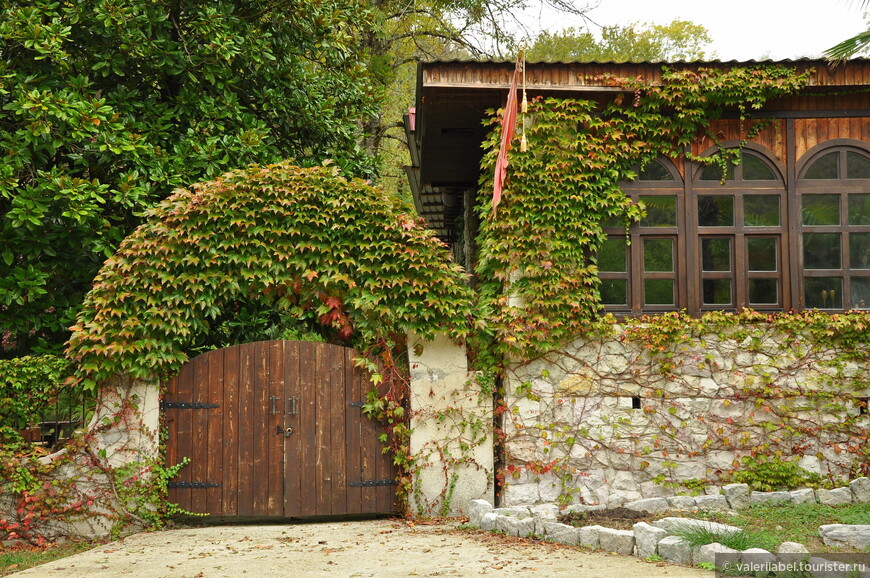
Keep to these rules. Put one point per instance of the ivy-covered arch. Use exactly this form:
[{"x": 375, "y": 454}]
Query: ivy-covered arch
[{"x": 305, "y": 238}]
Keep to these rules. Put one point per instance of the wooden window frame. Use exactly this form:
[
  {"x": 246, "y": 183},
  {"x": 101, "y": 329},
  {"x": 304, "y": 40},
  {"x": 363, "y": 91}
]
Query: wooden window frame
[{"x": 842, "y": 187}]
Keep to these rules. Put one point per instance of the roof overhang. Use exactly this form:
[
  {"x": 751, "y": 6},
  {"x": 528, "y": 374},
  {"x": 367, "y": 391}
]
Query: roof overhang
[{"x": 453, "y": 96}]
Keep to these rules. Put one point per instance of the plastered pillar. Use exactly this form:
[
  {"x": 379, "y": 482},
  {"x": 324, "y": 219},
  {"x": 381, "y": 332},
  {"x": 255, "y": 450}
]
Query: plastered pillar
[{"x": 451, "y": 430}]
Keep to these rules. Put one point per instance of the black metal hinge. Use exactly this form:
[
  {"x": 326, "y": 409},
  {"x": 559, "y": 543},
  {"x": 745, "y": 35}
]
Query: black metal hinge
[
  {"x": 194, "y": 485},
  {"x": 357, "y": 403},
  {"x": 187, "y": 405},
  {"x": 370, "y": 483}
]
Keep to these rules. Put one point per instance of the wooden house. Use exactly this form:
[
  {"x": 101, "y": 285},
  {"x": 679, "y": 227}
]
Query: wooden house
[{"x": 788, "y": 230}]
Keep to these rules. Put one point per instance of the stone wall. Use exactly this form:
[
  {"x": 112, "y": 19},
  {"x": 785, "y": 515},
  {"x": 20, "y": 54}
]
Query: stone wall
[
  {"x": 97, "y": 472},
  {"x": 451, "y": 430},
  {"x": 612, "y": 420}
]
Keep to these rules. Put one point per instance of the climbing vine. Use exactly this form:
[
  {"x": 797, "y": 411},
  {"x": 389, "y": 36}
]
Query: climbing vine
[
  {"x": 685, "y": 403},
  {"x": 338, "y": 252},
  {"x": 539, "y": 282},
  {"x": 322, "y": 250}
]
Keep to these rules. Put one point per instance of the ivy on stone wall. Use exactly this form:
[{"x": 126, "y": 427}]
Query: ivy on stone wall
[
  {"x": 539, "y": 282},
  {"x": 683, "y": 402},
  {"x": 337, "y": 252}
]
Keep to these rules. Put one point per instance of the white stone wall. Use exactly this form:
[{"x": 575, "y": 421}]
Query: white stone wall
[
  {"x": 573, "y": 431},
  {"x": 451, "y": 430}
]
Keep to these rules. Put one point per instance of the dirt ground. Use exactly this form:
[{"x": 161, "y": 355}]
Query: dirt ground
[{"x": 379, "y": 548}]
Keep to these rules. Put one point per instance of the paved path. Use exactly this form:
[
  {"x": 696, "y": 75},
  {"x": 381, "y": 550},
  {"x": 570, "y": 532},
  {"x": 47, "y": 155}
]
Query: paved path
[{"x": 381, "y": 548}]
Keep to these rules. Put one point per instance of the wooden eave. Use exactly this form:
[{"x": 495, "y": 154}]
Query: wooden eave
[{"x": 453, "y": 97}]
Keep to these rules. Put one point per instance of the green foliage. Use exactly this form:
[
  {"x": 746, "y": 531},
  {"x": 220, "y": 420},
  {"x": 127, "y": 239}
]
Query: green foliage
[
  {"x": 768, "y": 474},
  {"x": 306, "y": 241},
  {"x": 635, "y": 42},
  {"x": 107, "y": 106},
  {"x": 22, "y": 557},
  {"x": 142, "y": 490},
  {"x": 740, "y": 540},
  {"x": 792, "y": 522},
  {"x": 539, "y": 280},
  {"x": 28, "y": 386}
]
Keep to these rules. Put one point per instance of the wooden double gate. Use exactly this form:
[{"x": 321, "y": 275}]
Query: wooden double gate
[{"x": 275, "y": 428}]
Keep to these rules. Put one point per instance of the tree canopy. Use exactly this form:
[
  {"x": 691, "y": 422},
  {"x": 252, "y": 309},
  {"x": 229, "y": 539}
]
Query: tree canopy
[
  {"x": 678, "y": 40},
  {"x": 851, "y": 46},
  {"x": 109, "y": 105}
]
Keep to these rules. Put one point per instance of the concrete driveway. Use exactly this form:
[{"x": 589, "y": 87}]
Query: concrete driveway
[{"x": 379, "y": 548}]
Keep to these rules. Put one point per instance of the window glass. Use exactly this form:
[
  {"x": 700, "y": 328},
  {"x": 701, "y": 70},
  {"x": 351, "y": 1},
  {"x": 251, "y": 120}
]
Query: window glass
[
  {"x": 609, "y": 222},
  {"x": 823, "y": 292},
  {"x": 661, "y": 211},
  {"x": 755, "y": 169},
  {"x": 857, "y": 166},
  {"x": 658, "y": 255},
  {"x": 658, "y": 291},
  {"x": 763, "y": 292},
  {"x": 859, "y": 250},
  {"x": 861, "y": 293},
  {"x": 820, "y": 209},
  {"x": 716, "y": 211},
  {"x": 859, "y": 209},
  {"x": 716, "y": 291},
  {"x": 822, "y": 251},
  {"x": 716, "y": 254},
  {"x": 611, "y": 256},
  {"x": 655, "y": 171},
  {"x": 714, "y": 173},
  {"x": 614, "y": 291},
  {"x": 761, "y": 210},
  {"x": 761, "y": 253},
  {"x": 825, "y": 167}
]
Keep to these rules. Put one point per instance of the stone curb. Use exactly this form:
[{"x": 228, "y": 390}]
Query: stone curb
[{"x": 645, "y": 540}]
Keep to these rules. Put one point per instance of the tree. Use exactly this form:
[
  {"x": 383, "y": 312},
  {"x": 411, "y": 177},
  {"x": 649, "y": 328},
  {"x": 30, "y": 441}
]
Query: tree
[
  {"x": 108, "y": 105},
  {"x": 678, "y": 40},
  {"x": 851, "y": 46},
  {"x": 432, "y": 29}
]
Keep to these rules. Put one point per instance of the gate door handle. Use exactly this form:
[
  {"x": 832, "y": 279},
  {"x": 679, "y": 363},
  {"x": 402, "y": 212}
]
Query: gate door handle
[{"x": 286, "y": 432}]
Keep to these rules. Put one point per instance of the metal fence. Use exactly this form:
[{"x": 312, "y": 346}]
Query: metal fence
[{"x": 58, "y": 419}]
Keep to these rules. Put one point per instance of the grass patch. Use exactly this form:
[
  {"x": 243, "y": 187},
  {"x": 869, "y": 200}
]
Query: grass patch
[
  {"x": 742, "y": 540},
  {"x": 766, "y": 525},
  {"x": 791, "y": 522},
  {"x": 24, "y": 556}
]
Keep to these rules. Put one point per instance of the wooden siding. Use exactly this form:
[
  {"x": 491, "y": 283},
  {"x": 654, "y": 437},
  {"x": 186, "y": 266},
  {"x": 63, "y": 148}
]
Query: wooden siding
[{"x": 574, "y": 75}]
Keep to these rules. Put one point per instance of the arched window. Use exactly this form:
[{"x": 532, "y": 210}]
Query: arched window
[
  {"x": 834, "y": 200},
  {"x": 640, "y": 271},
  {"x": 740, "y": 223}
]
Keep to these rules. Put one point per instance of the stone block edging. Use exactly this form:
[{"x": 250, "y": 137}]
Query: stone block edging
[{"x": 646, "y": 540}]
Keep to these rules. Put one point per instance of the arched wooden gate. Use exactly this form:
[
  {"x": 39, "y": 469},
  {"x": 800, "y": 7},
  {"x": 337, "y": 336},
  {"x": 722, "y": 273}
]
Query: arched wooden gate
[{"x": 275, "y": 428}]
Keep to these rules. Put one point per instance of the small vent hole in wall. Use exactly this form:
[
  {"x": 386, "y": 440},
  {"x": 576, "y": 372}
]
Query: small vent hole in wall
[{"x": 635, "y": 403}]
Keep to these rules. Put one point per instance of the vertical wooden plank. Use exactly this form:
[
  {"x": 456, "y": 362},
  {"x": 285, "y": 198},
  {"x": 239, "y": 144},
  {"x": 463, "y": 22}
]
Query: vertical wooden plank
[
  {"x": 353, "y": 415},
  {"x": 246, "y": 435},
  {"x": 185, "y": 434},
  {"x": 369, "y": 447},
  {"x": 230, "y": 446},
  {"x": 199, "y": 419},
  {"x": 274, "y": 417},
  {"x": 338, "y": 428},
  {"x": 323, "y": 438},
  {"x": 259, "y": 418},
  {"x": 170, "y": 418},
  {"x": 385, "y": 494},
  {"x": 308, "y": 418},
  {"x": 290, "y": 417},
  {"x": 214, "y": 503}
]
